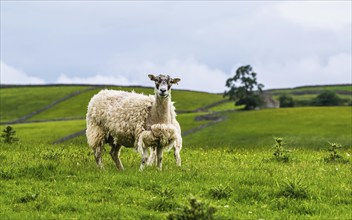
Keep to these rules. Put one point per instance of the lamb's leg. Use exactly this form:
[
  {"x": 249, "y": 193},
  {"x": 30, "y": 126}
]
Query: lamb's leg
[
  {"x": 144, "y": 158},
  {"x": 152, "y": 157},
  {"x": 178, "y": 147},
  {"x": 177, "y": 156},
  {"x": 115, "y": 155},
  {"x": 159, "y": 152}
]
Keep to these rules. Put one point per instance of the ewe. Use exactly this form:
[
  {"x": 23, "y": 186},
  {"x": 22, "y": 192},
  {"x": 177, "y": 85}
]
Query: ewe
[{"x": 119, "y": 118}]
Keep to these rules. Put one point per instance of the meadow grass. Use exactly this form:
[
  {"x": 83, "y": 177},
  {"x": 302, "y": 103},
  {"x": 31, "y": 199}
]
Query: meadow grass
[
  {"x": 62, "y": 182},
  {"x": 19, "y": 101}
]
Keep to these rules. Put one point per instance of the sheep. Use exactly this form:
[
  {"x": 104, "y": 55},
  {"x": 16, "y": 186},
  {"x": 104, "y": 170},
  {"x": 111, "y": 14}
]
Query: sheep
[
  {"x": 158, "y": 138},
  {"x": 118, "y": 118}
]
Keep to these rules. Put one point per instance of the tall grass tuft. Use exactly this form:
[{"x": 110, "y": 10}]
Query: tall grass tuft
[
  {"x": 293, "y": 189},
  {"x": 196, "y": 210},
  {"x": 220, "y": 192}
]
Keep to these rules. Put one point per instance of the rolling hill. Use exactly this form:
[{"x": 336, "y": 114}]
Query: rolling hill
[{"x": 62, "y": 109}]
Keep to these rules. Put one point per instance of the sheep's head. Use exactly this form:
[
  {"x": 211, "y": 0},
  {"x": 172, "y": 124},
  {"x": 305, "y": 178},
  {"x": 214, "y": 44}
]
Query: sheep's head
[{"x": 163, "y": 84}]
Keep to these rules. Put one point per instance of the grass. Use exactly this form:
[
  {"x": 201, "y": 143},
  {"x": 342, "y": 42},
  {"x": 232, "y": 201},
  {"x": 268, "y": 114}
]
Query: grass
[
  {"x": 20, "y": 101},
  {"x": 61, "y": 182},
  {"x": 310, "y": 127},
  {"x": 46, "y": 132},
  {"x": 306, "y": 97}
]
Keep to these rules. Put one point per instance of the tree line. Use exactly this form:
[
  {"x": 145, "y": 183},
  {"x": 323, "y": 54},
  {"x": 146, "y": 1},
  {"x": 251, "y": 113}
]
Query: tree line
[{"x": 245, "y": 90}]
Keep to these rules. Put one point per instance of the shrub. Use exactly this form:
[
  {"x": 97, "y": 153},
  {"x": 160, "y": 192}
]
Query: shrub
[
  {"x": 281, "y": 154},
  {"x": 8, "y": 135},
  {"x": 286, "y": 101},
  {"x": 334, "y": 155},
  {"x": 327, "y": 98}
]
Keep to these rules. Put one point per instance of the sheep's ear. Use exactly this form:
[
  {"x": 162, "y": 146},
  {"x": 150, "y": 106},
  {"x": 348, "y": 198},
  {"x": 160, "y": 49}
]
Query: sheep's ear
[
  {"x": 175, "y": 80},
  {"x": 152, "y": 77}
]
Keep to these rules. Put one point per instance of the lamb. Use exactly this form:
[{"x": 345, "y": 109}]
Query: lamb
[
  {"x": 119, "y": 118},
  {"x": 158, "y": 138}
]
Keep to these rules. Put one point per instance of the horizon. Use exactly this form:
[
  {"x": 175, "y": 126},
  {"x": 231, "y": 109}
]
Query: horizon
[{"x": 151, "y": 87}]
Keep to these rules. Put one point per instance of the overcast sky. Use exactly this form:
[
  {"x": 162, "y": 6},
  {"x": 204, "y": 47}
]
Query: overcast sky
[{"x": 287, "y": 43}]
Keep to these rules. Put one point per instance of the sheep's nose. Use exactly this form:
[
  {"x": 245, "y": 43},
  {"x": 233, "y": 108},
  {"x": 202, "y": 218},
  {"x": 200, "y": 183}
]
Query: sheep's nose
[{"x": 163, "y": 90}]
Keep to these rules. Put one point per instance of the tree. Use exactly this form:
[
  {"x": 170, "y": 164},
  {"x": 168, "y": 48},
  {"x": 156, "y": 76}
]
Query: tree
[
  {"x": 8, "y": 135},
  {"x": 286, "y": 101},
  {"x": 327, "y": 98},
  {"x": 244, "y": 89}
]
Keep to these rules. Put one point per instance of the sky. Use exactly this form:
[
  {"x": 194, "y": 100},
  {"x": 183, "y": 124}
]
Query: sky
[{"x": 287, "y": 43}]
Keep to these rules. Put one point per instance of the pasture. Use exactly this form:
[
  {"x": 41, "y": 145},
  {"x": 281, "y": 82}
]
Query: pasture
[{"x": 228, "y": 166}]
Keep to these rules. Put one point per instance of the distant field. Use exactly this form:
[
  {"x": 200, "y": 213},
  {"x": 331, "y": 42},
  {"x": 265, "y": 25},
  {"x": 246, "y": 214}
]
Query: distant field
[
  {"x": 76, "y": 107},
  {"x": 314, "y": 88},
  {"x": 19, "y": 101},
  {"x": 307, "y": 93},
  {"x": 309, "y": 127}
]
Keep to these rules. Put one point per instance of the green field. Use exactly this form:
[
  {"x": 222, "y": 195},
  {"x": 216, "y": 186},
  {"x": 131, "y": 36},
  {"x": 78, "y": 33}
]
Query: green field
[
  {"x": 227, "y": 166},
  {"x": 307, "y": 93}
]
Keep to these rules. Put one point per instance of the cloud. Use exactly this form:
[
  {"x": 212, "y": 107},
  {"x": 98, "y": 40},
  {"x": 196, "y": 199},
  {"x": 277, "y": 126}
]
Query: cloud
[
  {"x": 97, "y": 79},
  {"x": 194, "y": 75},
  {"x": 334, "y": 15},
  {"x": 309, "y": 70},
  {"x": 12, "y": 75}
]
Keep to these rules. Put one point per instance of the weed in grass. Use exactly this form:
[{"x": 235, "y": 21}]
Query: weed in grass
[
  {"x": 165, "y": 201},
  {"x": 28, "y": 198},
  {"x": 52, "y": 154},
  {"x": 7, "y": 174},
  {"x": 40, "y": 172},
  {"x": 197, "y": 210},
  {"x": 293, "y": 189},
  {"x": 220, "y": 192},
  {"x": 280, "y": 153},
  {"x": 334, "y": 155}
]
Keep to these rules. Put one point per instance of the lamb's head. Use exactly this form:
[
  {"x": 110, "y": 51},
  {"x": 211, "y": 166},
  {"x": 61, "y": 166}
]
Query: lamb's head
[{"x": 163, "y": 84}]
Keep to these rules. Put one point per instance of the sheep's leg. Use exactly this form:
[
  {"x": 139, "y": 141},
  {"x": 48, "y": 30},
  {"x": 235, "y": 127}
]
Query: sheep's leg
[
  {"x": 95, "y": 139},
  {"x": 144, "y": 158},
  {"x": 159, "y": 152},
  {"x": 98, "y": 156},
  {"x": 115, "y": 155}
]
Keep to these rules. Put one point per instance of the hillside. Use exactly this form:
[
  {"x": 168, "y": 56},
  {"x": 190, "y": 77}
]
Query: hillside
[
  {"x": 58, "y": 105},
  {"x": 303, "y": 94}
]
